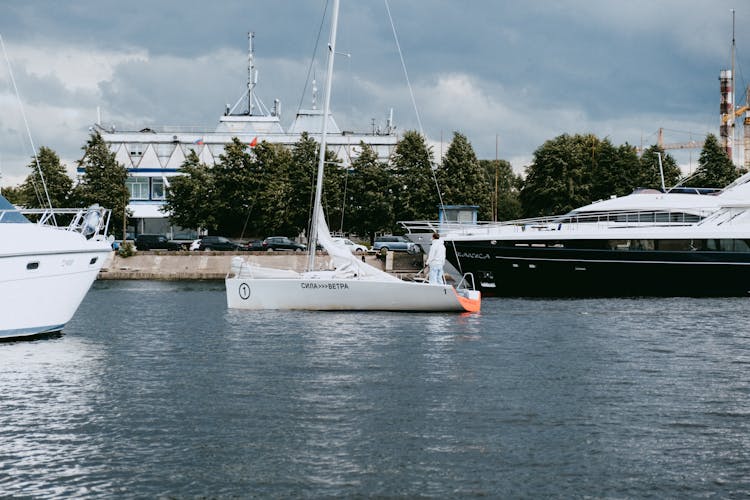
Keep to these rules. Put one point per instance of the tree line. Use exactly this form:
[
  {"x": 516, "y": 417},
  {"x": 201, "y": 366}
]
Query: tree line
[
  {"x": 102, "y": 182},
  {"x": 268, "y": 189}
]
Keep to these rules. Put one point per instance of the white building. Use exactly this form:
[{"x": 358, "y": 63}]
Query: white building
[{"x": 153, "y": 156}]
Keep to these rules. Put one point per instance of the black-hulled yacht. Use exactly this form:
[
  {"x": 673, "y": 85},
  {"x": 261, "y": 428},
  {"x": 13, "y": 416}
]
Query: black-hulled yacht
[{"x": 649, "y": 243}]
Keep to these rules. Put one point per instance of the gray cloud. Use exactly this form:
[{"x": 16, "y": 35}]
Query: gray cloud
[{"x": 521, "y": 72}]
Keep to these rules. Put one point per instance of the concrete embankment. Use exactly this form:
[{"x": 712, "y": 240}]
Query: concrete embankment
[{"x": 162, "y": 265}]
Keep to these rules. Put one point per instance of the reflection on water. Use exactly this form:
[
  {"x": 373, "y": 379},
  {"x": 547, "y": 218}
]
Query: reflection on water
[
  {"x": 50, "y": 391},
  {"x": 169, "y": 394}
]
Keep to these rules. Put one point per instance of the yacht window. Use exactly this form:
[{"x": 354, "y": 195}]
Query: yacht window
[
  {"x": 698, "y": 245},
  {"x": 619, "y": 244},
  {"x": 726, "y": 245},
  {"x": 9, "y": 213},
  {"x": 675, "y": 245},
  {"x": 641, "y": 244},
  {"x": 587, "y": 244},
  {"x": 32, "y": 265}
]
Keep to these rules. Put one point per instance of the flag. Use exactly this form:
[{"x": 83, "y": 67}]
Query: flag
[{"x": 254, "y": 142}]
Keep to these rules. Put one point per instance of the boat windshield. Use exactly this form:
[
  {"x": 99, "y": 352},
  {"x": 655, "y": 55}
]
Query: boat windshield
[{"x": 9, "y": 213}]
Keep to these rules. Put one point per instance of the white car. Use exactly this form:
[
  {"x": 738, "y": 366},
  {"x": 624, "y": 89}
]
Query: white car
[{"x": 353, "y": 247}]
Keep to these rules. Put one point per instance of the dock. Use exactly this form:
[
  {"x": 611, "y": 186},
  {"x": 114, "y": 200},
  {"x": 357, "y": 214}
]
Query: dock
[{"x": 185, "y": 265}]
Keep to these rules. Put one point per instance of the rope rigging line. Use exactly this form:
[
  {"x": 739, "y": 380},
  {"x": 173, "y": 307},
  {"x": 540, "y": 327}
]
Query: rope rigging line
[
  {"x": 312, "y": 59},
  {"x": 419, "y": 120},
  {"x": 26, "y": 123}
]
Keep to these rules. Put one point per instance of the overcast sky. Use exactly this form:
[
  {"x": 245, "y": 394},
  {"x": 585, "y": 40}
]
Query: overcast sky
[{"x": 521, "y": 72}]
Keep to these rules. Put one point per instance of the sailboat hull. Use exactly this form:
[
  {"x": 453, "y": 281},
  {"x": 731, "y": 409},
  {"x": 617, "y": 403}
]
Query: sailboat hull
[{"x": 345, "y": 294}]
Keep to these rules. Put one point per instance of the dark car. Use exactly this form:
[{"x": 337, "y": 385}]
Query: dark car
[
  {"x": 254, "y": 246},
  {"x": 219, "y": 243},
  {"x": 155, "y": 242},
  {"x": 282, "y": 243},
  {"x": 394, "y": 244}
]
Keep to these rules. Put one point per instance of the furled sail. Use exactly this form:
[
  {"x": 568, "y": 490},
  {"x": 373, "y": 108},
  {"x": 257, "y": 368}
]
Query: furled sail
[{"x": 345, "y": 264}]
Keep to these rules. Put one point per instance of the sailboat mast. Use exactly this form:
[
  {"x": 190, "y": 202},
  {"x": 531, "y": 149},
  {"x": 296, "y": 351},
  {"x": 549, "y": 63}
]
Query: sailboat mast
[{"x": 313, "y": 240}]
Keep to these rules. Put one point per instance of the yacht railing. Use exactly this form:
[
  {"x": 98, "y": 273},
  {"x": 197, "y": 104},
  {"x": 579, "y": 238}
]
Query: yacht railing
[
  {"x": 568, "y": 222},
  {"x": 91, "y": 222}
]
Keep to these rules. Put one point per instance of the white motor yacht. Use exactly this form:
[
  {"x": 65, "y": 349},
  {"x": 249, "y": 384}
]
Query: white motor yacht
[{"x": 47, "y": 266}]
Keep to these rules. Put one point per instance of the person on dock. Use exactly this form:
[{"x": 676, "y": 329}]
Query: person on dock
[{"x": 436, "y": 259}]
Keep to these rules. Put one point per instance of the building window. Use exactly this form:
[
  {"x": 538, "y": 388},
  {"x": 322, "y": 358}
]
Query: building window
[
  {"x": 164, "y": 151},
  {"x": 135, "y": 149},
  {"x": 157, "y": 188},
  {"x": 138, "y": 187}
]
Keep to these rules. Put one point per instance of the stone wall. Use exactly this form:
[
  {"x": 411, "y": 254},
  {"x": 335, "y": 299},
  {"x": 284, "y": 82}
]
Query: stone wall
[{"x": 162, "y": 265}]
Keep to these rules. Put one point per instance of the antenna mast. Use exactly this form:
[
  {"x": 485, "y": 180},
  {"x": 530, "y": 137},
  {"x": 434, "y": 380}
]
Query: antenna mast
[
  {"x": 731, "y": 157},
  {"x": 252, "y": 74}
]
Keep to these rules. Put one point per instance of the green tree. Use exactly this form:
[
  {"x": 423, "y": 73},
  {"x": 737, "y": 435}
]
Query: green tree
[
  {"x": 103, "y": 181},
  {"x": 461, "y": 178},
  {"x": 558, "y": 180},
  {"x": 56, "y": 179},
  {"x": 369, "y": 195},
  {"x": 715, "y": 168},
  {"x": 189, "y": 199},
  {"x": 14, "y": 194},
  {"x": 236, "y": 184},
  {"x": 649, "y": 174},
  {"x": 274, "y": 206},
  {"x": 614, "y": 170},
  {"x": 505, "y": 199},
  {"x": 415, "y": 191},
  {"x": 302, "y": 173},
  {"x": 301, "y": 176},
  {"x": 334, "y": 177}
]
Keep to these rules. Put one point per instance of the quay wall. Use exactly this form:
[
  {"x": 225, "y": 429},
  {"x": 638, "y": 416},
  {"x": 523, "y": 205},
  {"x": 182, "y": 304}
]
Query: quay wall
[{"x": 162, "y": 265}]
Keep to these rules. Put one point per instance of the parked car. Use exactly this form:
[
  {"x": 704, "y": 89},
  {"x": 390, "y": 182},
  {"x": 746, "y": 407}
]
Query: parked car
[
  {"x": 394, "y": 243},
  {"x": 155, "y": 242},
  {"x": 273, "y": 243},
  {"x": 254, "y": 246},
  {"x": 353, "y": 247},
  {"x": 219, "y": 243}
]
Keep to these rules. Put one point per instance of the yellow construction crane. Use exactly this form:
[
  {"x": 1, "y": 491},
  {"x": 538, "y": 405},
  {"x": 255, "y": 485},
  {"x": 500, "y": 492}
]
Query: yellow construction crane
[
  {"x": 676, "y": 145},
  {"x": 673, "y": 145},
  {"x": 737, "y": 112}
]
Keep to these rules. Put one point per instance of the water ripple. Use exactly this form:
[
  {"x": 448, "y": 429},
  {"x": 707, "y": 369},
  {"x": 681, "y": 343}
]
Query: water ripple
[{"x": 157, "y": 390}]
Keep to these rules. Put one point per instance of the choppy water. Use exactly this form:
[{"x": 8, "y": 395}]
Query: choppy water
[{"x": 156, "y": 389}]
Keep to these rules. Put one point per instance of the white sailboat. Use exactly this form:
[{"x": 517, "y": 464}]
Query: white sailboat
[{"x": 348, "y": 283}]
